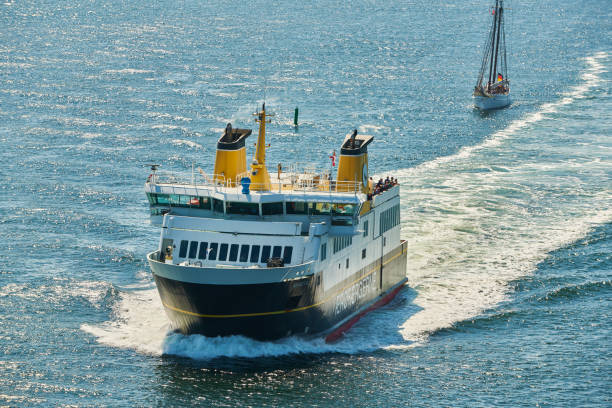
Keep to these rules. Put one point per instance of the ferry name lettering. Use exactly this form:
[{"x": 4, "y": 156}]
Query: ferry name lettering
[{"x": 351, "y": 296}]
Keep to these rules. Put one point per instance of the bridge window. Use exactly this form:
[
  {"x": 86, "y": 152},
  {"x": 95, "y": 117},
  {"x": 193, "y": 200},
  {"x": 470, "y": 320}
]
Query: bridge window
[
  {"x": 324, "y": 251},
  {"x": 203, "y": 250},
  {"x": 342, "y": 221},
  {"x": 320, "y": 208},
  {"x": 217, "y": 205},
  {"x": 223, "y": 252},
  {"x": 203, "y": 203},
  {"x": 272, "y": 208},
  {"x": 183, "y": 249},
  {"x": 287, "y": 255},
  {"x": 178, "y": 200},
  {"x": 365, "y": 228},
  {"x": 193, "y": 249},
  {"x": 237, "y": 207},
  {"x": 343, "y": 209},
  {"x": 265, "y": 253},
  {"x": 188, "y": 201},
  {"x": 255, "y": 253},
  {"x": 212, "y": 254},
  {"x": 173, "y": 199},
  {"x": 297, "y": 207},
  {"x": 160, "y": 199},
  {"x": 244, "y": 253},
  {"x": 233, "y": 253}
]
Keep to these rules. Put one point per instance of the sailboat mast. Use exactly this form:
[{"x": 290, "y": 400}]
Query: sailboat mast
[
  {"x": 499, "y": 17},
  {"x": 493, "y": 39}
]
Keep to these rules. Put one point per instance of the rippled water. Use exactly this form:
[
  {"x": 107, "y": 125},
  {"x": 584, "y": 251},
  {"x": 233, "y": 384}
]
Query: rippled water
[{"x": 507, "y": 214}]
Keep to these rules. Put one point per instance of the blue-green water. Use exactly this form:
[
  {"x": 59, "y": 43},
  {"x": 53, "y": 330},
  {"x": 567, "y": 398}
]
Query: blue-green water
[{"x": 508, "y": 215}]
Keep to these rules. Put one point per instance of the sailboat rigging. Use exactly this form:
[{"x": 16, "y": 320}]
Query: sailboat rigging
[{"x": 492, "y": 91}]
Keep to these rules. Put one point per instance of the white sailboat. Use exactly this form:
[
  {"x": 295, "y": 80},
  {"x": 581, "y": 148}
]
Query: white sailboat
[{"x": 492, "y": 90}]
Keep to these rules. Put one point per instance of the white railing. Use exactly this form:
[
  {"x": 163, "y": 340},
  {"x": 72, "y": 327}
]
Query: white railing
[{"x": 305, "y": 181}]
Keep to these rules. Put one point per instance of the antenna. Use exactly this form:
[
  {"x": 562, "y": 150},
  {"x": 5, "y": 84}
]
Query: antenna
[{"x": 152, "y": 177}]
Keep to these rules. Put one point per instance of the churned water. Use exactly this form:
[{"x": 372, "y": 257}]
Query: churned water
[{"x": 508, "y": 214}]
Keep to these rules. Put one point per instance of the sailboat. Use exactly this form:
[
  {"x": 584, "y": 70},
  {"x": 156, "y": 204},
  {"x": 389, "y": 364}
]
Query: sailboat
[{"x": 492, "y": 90}]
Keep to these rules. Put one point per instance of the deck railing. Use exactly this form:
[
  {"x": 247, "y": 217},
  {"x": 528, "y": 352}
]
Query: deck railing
[{"x": 283, "y": 182}]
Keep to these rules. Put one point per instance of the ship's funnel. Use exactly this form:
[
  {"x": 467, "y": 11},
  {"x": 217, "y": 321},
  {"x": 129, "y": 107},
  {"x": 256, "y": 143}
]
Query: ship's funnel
[
  {"x": 230, "y": 160},
  {"x": 353, "y": 165}
]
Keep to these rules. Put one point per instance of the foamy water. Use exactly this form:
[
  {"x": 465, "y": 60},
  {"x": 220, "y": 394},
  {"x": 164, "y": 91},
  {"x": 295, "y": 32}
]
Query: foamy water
[
  {"x": 475, "y": 221},
  {"x": 484, "y": 217}
]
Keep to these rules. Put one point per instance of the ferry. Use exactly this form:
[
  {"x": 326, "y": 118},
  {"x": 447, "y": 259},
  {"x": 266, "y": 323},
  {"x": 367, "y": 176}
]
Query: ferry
[{"x": 299, "y": 252}]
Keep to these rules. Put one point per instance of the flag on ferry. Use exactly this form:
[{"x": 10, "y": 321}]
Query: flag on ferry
[
  {"x": 499, "y": 77},
  {"x": 333, "y": 158}
]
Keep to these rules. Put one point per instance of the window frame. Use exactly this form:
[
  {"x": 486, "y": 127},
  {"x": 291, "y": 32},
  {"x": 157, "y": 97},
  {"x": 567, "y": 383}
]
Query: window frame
[
  {"x": 266, "y": 249},
  {"x": 255, "y": 252},
  {"x": 233, "y": 253},
  {"x": 183, "y": 248},
  {"x": 193, "y": 249},
  {"x": 241, "y": 208},
  {"x": 290, "y": 205},
  {"x": 243, "y": 257},
  {"x": 203, "y": 251},
  {"x": 287, "y": 254},
  {"x": 274, "y": 251},
  {"x": 223, "y": 250},
  {"x": 273, "y": 208},
  {"x": 212, "y": 253}
]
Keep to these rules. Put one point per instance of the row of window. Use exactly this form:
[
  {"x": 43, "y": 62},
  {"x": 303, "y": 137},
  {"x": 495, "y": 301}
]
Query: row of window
[
  {"x": 234, "y": 253},
  {"x": 389, "y": 218},
  {"x": 242, "y": 208},
  {"x": 342, "y": 242}
]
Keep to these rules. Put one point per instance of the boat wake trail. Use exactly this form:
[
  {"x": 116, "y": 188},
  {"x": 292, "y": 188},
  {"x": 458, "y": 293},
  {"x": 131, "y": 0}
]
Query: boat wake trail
[
  {"x": 474, "y": 221},
  {"x": 486, "y": 216}
]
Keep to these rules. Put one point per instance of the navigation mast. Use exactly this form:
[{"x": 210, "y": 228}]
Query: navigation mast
[{"x": 260, "y": 179}]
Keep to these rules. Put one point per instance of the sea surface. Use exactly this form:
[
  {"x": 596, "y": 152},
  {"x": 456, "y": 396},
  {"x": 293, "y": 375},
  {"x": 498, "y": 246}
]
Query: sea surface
[{"x": 508, "y": 214}]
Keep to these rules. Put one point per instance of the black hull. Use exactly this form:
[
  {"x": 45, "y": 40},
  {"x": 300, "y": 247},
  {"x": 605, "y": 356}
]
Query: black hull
[{"x": 270, "y": 311}]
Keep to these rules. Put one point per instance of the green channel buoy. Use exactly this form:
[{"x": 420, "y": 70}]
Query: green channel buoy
[{"x": 295, "y": 117}]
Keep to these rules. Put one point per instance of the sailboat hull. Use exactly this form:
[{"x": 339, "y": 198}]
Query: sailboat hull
[{"x": 492, "y": 102}]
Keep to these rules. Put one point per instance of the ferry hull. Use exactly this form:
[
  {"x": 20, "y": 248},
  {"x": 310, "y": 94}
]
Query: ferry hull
[
  {"x": 269, "y": 311},
  {"x": 492, "y": 102}
]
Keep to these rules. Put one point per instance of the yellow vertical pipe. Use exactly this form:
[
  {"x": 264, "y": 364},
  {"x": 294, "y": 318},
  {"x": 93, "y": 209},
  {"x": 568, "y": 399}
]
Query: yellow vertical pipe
[{"x": 260, "y": 179}]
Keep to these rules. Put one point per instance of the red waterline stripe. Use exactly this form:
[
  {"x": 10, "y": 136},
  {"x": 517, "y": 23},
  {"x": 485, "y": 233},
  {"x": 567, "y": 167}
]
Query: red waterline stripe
[{"x": 336, "y": 334}]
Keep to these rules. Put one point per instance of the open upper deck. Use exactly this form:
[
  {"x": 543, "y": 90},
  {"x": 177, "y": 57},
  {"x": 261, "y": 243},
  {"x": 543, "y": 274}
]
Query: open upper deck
[{"x": 296, "y": 192}]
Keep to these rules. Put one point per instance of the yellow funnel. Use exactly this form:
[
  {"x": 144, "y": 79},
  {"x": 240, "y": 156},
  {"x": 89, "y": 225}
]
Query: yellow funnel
[
  {"x": 230, "y": 160},
  {"x": 353, "y": 164}
]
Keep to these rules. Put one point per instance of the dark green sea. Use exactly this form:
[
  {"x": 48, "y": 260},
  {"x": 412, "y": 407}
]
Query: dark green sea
[{"x": 508, "y": 214}]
